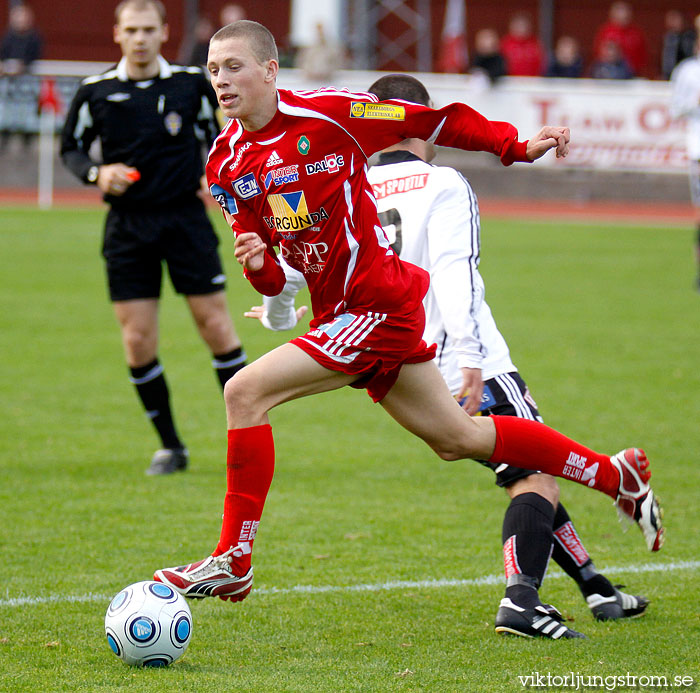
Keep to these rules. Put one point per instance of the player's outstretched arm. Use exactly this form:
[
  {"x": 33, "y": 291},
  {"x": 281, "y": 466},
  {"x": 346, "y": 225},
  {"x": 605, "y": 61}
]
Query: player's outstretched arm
[{"x": 547, "y": 138}]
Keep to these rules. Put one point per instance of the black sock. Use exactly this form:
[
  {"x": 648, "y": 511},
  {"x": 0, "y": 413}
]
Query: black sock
[
  {"x": 571, "y": 555},
  {"x": 527, "y": 545},
  {"x": 228, "y": 364},
  {"x": 153, "y": 391}
]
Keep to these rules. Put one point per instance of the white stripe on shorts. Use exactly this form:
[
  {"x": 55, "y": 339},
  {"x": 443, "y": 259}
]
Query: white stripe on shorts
[
  {"x": 514, "y": 396},
  {"x": 344, "y": 337},
  {"x": 334, "y": 357},
  {"x": 372, "y": 321}
]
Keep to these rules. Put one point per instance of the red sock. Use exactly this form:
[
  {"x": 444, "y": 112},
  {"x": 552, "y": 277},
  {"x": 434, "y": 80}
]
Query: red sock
[
  {"x": 532, "y": 445},
  {"x": 250, "y": 464}
]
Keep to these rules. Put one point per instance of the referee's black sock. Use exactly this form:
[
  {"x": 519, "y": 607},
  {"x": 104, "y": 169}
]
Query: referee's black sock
[
  {"x": 527, "y": 545},
  {"x": 153, "y": 391},
  {"x": 228, "y": 364},
  {"x": 571, "y": 555}
]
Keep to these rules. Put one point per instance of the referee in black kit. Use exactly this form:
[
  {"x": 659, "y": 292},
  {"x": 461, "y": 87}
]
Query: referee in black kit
[{"x": 153, "y": 120}]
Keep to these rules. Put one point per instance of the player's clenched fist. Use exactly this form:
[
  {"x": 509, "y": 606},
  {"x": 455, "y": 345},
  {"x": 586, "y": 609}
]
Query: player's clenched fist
[{"x": 249, "y": 251}]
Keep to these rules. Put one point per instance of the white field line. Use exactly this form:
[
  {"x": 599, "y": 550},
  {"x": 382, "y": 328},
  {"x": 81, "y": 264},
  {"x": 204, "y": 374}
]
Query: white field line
[{"x": 372, "y": 587}]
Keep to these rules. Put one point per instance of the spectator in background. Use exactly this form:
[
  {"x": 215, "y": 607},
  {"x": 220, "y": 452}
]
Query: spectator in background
[
  {"x": 566, "y": 60},
  {"x": 19, "y": 48},
  {"x": 628, "y": 36},
  {"x": 610, "y": 63},
  {"x": 194, "y": 51},
  {"x": 320, "y": 59},
  {"x": 231, "y": 13},
  {"x": 685, "y": 103},
  {"x": 22, "y": 44},
  {"x": 487, "y": 55},
  {"x": 678, "y": 42},
  {"x": 521, "y": 49},
  {"x": 203, "y": 31}
]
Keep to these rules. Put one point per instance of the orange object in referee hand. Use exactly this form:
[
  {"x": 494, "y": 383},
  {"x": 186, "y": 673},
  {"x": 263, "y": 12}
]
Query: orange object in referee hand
[{"x": 133, "y": 176}]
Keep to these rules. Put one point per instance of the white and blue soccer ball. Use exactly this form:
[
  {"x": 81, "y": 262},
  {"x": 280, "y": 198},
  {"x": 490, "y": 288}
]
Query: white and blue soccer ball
[{"x": 148, "y": 624}]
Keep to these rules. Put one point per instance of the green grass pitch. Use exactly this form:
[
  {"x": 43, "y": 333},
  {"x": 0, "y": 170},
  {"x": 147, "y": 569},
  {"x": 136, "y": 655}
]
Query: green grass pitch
[{"x": 378, "y": 566}]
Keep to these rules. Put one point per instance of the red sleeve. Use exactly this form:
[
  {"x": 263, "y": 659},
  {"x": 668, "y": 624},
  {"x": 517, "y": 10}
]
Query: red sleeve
[
  {"x": 462, "y": 127},
  {"x": 270, "y": 280},
  {"x": 376, "y": 126},
  {"x": 455, "y": 125}
]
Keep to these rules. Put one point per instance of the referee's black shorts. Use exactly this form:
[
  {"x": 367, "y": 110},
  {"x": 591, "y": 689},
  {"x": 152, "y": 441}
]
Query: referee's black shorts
[
  {"x": 509, "y": 397},
  {"x": 137, "y": 242}
]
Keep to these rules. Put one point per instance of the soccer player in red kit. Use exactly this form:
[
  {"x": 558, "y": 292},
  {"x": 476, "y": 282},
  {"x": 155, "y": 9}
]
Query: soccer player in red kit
[{"x": 289, "y": 170}]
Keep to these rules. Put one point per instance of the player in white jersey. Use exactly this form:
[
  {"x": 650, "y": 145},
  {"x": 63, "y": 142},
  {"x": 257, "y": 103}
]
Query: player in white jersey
[
  {"x": 431, "y": 217},
  {"x": 685, "y": 103}
]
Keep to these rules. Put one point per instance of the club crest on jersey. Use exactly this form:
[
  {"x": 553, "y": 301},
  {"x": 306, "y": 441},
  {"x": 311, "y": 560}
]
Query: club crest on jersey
[
  {"x": 303, "y": 145},
  {"x": 280, "y": 176},
  {"x": 291, "y": 213},
  {"x": 225, "y": 199},
  {"x": 173, "y": 123},
  {"x": 377, "y": 111},
  {"x": 246, "y": 186},
  {"x": 331, "y": 164}
]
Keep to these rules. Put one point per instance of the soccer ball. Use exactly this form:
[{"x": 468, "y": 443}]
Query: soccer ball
[{"x": 148, "y": 624}]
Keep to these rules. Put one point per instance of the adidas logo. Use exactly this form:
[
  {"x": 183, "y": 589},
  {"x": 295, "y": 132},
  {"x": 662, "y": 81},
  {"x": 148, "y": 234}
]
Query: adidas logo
[{"x": 274, "y": 159}]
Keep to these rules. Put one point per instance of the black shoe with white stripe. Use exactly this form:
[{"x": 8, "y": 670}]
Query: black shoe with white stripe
[
  {"x": 543, "y": 621},
  {"x": 620, "y": 605}
]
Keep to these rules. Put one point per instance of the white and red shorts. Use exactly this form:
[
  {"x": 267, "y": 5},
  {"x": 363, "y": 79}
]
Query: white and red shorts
[{"x": 371, "y": 345}]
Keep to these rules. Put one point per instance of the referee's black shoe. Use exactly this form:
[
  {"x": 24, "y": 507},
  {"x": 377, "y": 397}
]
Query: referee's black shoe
[
  {"x": 542, "y": 621},
  {"x": 168, "y": 461}
]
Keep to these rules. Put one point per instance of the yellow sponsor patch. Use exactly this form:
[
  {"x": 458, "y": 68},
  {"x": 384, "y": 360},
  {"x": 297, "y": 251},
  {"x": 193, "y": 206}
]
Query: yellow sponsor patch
[
  {"x": 290, "y": 211},
  {"x": 377, "y": 111}
]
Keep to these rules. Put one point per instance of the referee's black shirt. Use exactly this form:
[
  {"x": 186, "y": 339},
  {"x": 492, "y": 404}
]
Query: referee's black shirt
[{"x": 157, "y": 125}]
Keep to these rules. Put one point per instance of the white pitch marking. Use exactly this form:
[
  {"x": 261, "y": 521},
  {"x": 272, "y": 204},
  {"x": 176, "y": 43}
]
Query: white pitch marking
[{"x": 376, "y": 587}]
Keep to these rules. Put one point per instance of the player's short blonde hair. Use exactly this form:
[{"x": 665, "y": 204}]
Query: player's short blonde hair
[
  {"x": 261, "y": 41},
  {"x": 157, "y": 5}
]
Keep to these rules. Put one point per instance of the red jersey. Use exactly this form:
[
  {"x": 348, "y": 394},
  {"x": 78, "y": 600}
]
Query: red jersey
[
  {"x": 524, "y": 56},
  {"x": 630, "y": 39},
  {"x": 301, "y": 184}
]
